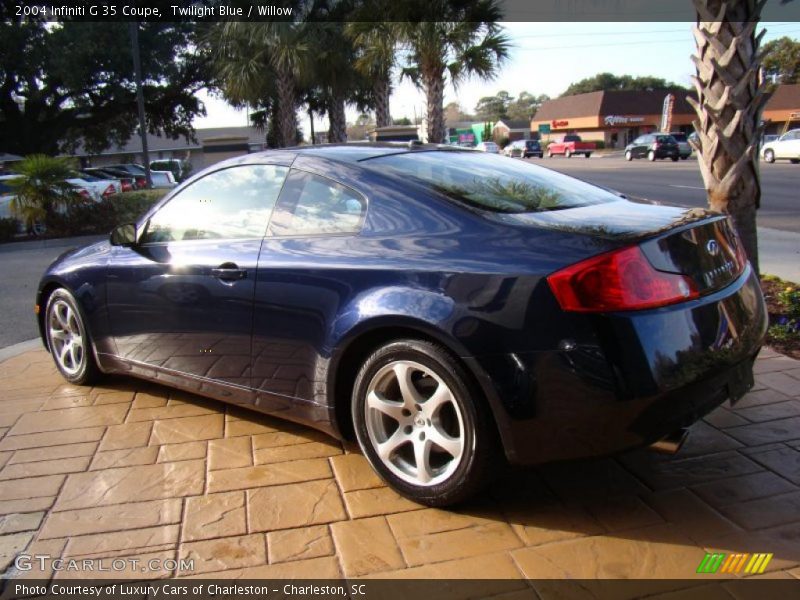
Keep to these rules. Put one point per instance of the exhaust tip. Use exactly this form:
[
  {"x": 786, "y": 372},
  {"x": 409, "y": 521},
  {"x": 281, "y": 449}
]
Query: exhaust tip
[{"x": 671, "y": 443}]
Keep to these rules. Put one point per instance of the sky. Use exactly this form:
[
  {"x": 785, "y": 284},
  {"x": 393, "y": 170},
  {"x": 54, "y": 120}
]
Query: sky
[{"x": 544, "y": 59}]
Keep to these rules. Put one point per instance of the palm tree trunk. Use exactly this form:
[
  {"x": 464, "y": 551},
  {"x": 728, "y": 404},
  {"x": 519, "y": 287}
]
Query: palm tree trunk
[
  {"x": 382, "y": 89},
  {"x": 337, "y": 130},
  {"x": 728, "y": 106},
  {"x": 433, "y": 83},
  {"x": 311, "y": 119},
  {"x": 285, "y": 109}
]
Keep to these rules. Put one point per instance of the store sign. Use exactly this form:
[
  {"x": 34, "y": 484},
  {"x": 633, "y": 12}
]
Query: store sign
[
  {"x": 666, "y": 112},
  {"x": 794, "y": 115},
  {"x": 466, "y": 138},
  {"x": 620, "y": 120},
  {"x": 557, "y": 124}
]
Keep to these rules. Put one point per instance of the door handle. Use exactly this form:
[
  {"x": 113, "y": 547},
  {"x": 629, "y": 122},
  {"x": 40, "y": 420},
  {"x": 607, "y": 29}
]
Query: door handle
[{"x": 229, "y": 272}]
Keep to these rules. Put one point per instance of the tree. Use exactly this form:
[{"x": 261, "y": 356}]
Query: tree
[
  {"x": 358, "y": 130},
  {"x": 525, "y": 106},
  {"x": 450, "y": 39},
  {"x": 376, "y": 49},
  {"x": 41, "y": 188},
  {"x": 610, "y": 82},
  {"x": 492, "y": 108},
  {"x": 264, "y": 65},
  {"x": 454, "y": 112},
  {"x": 728, "y": 106},
  {"x": 782, "y": 61},
  {"x": 403, "y": 121},
  {"x": 61, "y": 83}
]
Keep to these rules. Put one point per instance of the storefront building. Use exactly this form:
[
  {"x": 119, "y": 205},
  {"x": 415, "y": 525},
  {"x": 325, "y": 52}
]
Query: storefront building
[
  {"x": 612, "y": 118},
  {"x": 782, "y": 111}
]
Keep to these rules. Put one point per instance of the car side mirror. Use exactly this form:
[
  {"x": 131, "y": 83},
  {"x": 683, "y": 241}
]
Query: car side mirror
[{"x": 124, "y": 235}]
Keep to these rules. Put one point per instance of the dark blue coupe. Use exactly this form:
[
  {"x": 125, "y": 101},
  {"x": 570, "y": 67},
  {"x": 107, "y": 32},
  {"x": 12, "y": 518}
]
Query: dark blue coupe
[{"x": 437, "y": 304}]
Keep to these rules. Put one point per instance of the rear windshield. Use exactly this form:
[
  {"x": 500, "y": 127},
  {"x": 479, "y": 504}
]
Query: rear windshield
[
  {"x": 679, "y": 137},
  {"x": 665, "y": 139},
  {"x": 532, "y": 144},
  {"x": 491, "y": 182}
]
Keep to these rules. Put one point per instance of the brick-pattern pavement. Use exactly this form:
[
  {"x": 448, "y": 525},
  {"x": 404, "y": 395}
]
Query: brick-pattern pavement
[{"x": 132, "y": 469}]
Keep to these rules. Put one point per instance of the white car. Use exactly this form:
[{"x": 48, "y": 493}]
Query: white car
[
  {"x": 786, "y": 147},
  {"x": 163, "y": 179},
  {"x": 489, "y": 147}
]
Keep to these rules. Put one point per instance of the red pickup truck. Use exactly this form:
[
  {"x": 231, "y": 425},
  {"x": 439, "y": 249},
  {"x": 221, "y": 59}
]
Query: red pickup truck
[{"x": 569, "y": 145}]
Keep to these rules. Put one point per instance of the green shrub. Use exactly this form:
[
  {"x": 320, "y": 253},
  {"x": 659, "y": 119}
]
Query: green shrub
[
  {"x": 8, "y": 229},
  {"x": 86, "y": 218}
]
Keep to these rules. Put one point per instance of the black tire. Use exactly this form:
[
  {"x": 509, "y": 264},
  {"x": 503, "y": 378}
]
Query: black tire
[
  {"x": 628, "y": 155},
  {"x": 794, "y": 161},
  {"x": 651, "y": 156},
  {"x": 470, "y": 472},
  {"x": 674, "y": 159},
  {"x": 769, "y": 156},
  {"x": 588, "y": 154},
  {"x": 568, "y": 153},
  {"x": 684, "y": 157},
  {"x": 82, "y": 370}
]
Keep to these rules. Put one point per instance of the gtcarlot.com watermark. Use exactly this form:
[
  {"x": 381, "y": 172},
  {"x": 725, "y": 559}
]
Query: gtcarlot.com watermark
[{"x": 45, "y": 562}]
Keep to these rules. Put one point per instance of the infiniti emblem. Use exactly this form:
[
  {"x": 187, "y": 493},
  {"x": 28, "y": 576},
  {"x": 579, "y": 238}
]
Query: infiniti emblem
[{"x": 712, "y": 247}]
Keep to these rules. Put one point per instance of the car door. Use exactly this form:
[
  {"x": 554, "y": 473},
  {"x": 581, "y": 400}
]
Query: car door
[
  {"x": 790, "y": 148},
  {"x": 181, "y": 299},
  {"x": 299, "y": 288},
  {"x": 642, "y": 146}
]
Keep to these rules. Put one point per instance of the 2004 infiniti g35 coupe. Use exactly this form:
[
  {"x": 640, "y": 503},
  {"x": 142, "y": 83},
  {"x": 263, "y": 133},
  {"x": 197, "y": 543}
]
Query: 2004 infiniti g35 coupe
[{"x": 435, "y": 303}]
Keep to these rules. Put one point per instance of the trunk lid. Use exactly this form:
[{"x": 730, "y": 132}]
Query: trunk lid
[{"x": 709, "y": 252}]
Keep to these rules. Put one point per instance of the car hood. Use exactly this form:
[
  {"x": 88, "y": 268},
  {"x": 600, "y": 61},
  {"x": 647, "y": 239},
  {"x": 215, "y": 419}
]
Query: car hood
[{"x": 624, "y": 220}]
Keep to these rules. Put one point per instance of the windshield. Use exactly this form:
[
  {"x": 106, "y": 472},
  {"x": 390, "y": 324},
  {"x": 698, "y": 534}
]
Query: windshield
[{"x": 491, "y": 182}]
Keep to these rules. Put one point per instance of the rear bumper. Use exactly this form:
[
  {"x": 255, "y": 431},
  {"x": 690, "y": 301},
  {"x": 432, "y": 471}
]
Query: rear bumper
[{"x": 626, "y": 379}]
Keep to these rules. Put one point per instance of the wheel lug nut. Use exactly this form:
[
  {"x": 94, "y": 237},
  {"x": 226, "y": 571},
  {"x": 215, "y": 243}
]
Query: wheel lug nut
[
  {"x": 406, "y": 412},
  {"x": 408, "y": 429},
  {"x": 422, "y": 436}
]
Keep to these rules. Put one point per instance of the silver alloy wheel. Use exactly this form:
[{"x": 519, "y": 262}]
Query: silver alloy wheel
[
  {"x": 414, "y": 423},
  {"x": 67, "y": 341}
]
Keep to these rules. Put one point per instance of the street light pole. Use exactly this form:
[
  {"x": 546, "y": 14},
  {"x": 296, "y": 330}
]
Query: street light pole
[{"x": 137, "y": 70}]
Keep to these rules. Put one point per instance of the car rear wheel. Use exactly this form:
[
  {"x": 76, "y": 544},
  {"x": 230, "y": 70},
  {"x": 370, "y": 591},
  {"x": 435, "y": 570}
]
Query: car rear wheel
[
  {"x": 684, "y": 157},
  {"x": 68, "y": 339},
  {"x": 549, "y": 154},
  {"x": 588, "y": 154},
  {"x": 651, "y": 156},
  {"x": 769, "y": 156},
  {"x": 419, "y": 424},
  {"x": 794, "y": 161},
  {"x": 674, "y": 159},
  {"x": 628, "y": 155},
  {"x": 568, "y": 153}
]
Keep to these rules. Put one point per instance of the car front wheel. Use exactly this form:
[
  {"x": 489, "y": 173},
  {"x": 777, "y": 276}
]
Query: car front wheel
[
  {"x": 769, "y": 156},
  {"x": 68, "y": 339},
  {"x": 651, "y": 156},
  {"x": 628, "y": 155},
  {"x": 420, "y": 425}
]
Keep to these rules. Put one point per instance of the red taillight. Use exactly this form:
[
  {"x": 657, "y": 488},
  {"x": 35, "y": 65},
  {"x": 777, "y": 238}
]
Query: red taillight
[
  {"x": 141, "y": 182},
  {"x": 109, "y": 191},
  {"x": 618, "y": 280},
  {"x": 84, "y": 193},
  {"x": 126, "y": 186}
]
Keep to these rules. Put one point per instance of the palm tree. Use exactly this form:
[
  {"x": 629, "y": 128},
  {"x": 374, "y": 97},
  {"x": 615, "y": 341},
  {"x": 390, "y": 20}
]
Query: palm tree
[
  {"x": 41, "y": 188},
  {"x": 263, "y": 64},
  {"x": 451, "y": 39},
  {"x": 376, "y": 47},
  {"x": 729, "y": 102}
]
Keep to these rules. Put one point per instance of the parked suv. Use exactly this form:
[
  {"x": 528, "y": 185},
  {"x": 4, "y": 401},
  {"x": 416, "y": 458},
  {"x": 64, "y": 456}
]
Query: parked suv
[
  {"x": 524, "y": 149},
  {"x": 653, "y": 146},
  {"x": 684, "y": 147}
]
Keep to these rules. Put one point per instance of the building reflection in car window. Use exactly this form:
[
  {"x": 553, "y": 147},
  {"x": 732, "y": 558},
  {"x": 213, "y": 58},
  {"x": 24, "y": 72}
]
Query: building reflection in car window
[{"x": 233, "y": 203}]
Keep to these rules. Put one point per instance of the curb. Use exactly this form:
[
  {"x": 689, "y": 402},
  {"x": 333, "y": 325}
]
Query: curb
[{"x": 17, "y": 349}]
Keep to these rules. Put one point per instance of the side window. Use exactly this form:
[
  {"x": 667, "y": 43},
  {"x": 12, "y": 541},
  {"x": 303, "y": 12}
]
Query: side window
[
  {"x": 227, "y": 204},
  {"x": 639, "y": 140},
  {"x": 312, "y": 205}
]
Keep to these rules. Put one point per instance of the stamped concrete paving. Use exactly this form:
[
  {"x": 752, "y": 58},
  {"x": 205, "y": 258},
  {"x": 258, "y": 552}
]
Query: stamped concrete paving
[{"x": 131, "y": 469}]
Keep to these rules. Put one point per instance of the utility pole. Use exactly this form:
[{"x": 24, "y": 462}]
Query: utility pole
[{"x": 137, "y": 70}]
